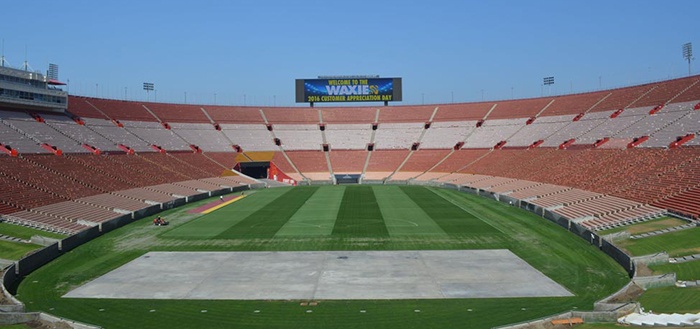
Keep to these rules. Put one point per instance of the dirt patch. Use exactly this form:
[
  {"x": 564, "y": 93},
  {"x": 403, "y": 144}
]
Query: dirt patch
[
  {"x": 655, "y": 225},
  {"x": 643, "y": 270},
  {"x": 632, "y": 293}
]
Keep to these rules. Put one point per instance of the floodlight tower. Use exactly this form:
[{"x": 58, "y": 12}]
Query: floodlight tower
[
  {"x": 688, "y": 54},
  {"x": 548, "y": 81},
  {"x": 148, "y": 87}
]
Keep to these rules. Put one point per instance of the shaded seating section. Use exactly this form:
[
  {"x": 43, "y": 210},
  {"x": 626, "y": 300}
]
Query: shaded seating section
[
  {"x": 311, "y": 164},
  {"x": 445, "y": 135},
  {"x": 299, "y": 137},
  {"x": 178, "y": 113},
  {"x": 347, "y": 161},
  {"x": 18, "y": 140},
  {"x": 117, "y": 135},
  {"x": 120, "y": 201},
  {"x": 691, "y": 122},
  {"x": 612, "y": 127},
  {"x": 40, "y": 132},
  {"x": 78, "y": 212},
  {"x": 153, "y": 133},
  {"x": 348, "y": 136},
  {"x": 250, "y": 137},
  {"x": 352, "y": 115},
  {"x": 203, "y": 135},
  {"x": 492, "y": 132},
  {"x": 397, "y": 135},
  {"x": 687, "y": 123},
  {"x": 122, "y": 110},
  {"x": 521, "y": 108},
  {"x": 541, "y": 129},
  {"x": 383, "y": 163},
  {"x": 650, "y": 124},
  {"x": 81, "y": 134},
  {"x": 575, "y": 129}
]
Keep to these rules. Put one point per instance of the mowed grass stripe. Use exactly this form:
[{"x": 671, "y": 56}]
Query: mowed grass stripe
[
  {"x": 401, "y": 215},
  {"x": 317, "y": 216},
  {"x": 359, "y": 214},
  {"x": 214, "y": 223},
  {"x": 265, "y": 222},
  {"x": 451, "y": 218}
]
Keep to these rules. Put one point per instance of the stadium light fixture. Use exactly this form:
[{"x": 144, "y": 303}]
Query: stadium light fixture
[
  {"x": 148, "y": 87},
  {"x": 688, "y": 54},
  {"x": 548, "y": 81}
]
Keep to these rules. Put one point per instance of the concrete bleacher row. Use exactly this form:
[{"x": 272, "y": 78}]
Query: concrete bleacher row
[
  {"x": 20, "y": 131},
  {"x": 31, "y": 181},
  {"x": 592, "y": 210},
  {"x": 72, "y": 216}
]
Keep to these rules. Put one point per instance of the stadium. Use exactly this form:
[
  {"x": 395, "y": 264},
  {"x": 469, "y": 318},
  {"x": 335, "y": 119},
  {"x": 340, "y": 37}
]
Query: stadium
[{"x": 552, "y": 211}]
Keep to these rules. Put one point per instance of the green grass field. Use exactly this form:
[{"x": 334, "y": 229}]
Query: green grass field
[
  {"x": 648, "y": 226},
  {"x": 679, "y": 243},
  {"x": 332, "y": 218},
  {"x": 26, "y": 233}
]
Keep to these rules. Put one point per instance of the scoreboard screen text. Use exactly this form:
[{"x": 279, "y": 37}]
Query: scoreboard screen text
[{"x": 348, "y": 90}]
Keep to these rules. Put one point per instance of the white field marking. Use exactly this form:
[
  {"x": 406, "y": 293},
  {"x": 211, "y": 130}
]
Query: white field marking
[
  {"x": 401, "y": 220},
  {"x": 475, "y": 214}
]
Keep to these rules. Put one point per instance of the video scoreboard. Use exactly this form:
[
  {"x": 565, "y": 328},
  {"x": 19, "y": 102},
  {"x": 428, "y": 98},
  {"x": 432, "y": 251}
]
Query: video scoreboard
[{"x": 348, "y": 89}]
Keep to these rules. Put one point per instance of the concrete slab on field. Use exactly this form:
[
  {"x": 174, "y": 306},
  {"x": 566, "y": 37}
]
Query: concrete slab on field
[{"x": 319, "y": 275}]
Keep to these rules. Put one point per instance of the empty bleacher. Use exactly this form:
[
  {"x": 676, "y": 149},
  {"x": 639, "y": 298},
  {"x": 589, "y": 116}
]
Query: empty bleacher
[
  {"x": 310, "y": 164},
  {"x": 299, "y": 137},
  {"x": 347, "y": 161},
  {"x": 397, "y": 135},
  {"x": 348, "y": 136},
  {"x": 601, "y": 187},
  {"x": 445, "y": 135},
  {"x": 204, "y": 135},
  {"x": 250, "y": 137}
]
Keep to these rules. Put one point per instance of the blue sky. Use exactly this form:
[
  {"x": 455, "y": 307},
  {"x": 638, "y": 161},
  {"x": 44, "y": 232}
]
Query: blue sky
[{"x": 236, "y": 52}]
